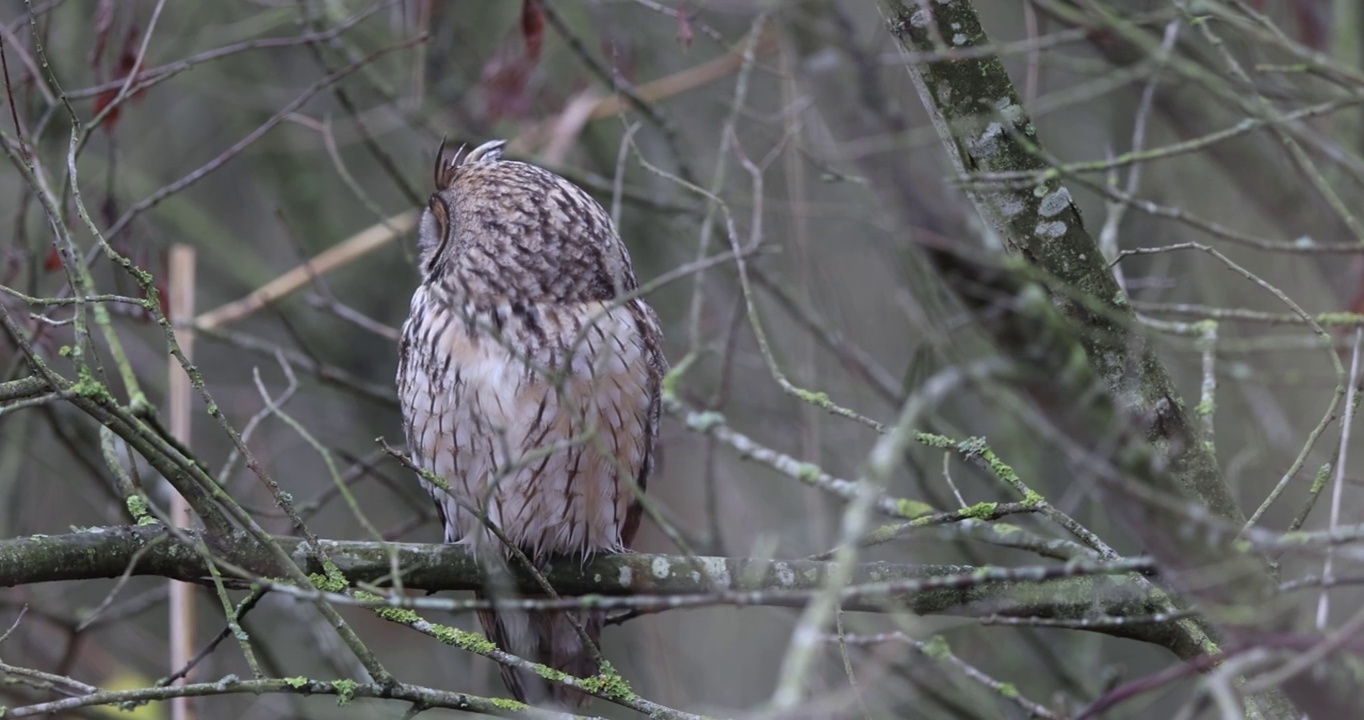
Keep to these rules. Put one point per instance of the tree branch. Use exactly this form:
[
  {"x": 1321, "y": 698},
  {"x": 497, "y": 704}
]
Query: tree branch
[
  {"x": 1069, "y": 591},
  {"x": 23, "y": 388},
  {"x": 985, "y": 129}
]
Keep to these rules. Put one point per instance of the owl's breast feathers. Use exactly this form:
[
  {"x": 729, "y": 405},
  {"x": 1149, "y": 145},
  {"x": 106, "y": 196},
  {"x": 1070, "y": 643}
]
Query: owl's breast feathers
[{"x": 543, "y": 415}]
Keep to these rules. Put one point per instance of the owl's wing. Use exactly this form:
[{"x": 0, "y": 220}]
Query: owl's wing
[
  {"x": 418, "y": 392},
  {"x": 651, "y": 332}
]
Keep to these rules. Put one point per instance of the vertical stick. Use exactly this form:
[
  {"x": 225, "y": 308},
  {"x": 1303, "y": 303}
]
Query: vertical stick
[
  {"x": 1324, "y": 603},
  {"x": 181, "y": 594}
]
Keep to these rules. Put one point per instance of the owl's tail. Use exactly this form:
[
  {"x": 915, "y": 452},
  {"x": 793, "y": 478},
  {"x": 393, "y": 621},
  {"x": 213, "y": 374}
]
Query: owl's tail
[{"x": 548, "y": 638}]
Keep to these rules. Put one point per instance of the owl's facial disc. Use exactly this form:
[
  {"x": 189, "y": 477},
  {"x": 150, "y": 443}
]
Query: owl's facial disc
[{"x": 433, "y": 233}]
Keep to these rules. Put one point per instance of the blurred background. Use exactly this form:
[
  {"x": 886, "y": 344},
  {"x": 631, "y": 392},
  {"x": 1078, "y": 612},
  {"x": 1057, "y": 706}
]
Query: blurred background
[{"x": 278, "y": 130}]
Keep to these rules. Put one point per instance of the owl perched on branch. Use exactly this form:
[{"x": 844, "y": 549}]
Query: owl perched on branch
[{"x": 529, "y": 379}]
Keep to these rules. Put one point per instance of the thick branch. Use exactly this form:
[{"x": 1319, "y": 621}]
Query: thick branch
[
  {"x": 1140, "y": 421},
  {"x": 1101, "y": 441},
  {"x": 22, "y": 388},
  {"x": 152, "y": 550},
  {"x": 985, "y": 129}
]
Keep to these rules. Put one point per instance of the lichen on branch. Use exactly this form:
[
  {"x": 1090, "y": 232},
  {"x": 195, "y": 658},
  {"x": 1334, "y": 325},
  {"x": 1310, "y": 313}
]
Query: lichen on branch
[{"x": 985, "y": 129}]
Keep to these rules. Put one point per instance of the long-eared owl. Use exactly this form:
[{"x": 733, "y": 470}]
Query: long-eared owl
[{"x": 529, "y": 380}]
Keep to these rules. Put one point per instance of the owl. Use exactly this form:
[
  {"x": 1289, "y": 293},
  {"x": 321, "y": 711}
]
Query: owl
[{"x": 529, "y": 378}]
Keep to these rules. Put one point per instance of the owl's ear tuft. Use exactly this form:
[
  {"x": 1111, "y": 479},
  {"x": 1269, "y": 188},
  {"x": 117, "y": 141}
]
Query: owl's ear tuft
[
  {"x": 447, "y": 160},
  {"x": 490, "y": 151}
]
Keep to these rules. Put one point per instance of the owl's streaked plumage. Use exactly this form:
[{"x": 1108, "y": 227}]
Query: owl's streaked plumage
[{"x": 528, "y": 385}]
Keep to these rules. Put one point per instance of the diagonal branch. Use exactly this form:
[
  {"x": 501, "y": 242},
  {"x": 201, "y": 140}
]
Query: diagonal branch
[
  {"x": 985, "y": 129},
  {"x": 1059, "y": 314}
]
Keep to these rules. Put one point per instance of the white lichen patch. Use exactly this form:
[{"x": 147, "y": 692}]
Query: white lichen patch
[
  {"x": 1009, "y": 205},
  {"x": 718, "y": 571},
  {"x": 626, "y": 575},
  {"x": 1053, "y": 230},
  {"x": 661, "y": 567},
  {"x": 1009, "y": 110},
  {"x": 1054, "y": 203},
  {"x": 959, "y": 39},
  {"x": 919, "y": 19},
  {"x": 987, "y": 145},
  {"x": 301, "y": 552},
  {"x": 785, "y": 576}
]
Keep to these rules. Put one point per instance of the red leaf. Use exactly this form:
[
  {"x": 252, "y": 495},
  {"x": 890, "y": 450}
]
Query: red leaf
[
  {"x": 1312, "y": 26},
  {"x": 102, "y": 101},
  {"x": 504, "y": 86},
  {"x": 684, "y": 34},
  {"x": 533, "y": 28},
  {"x": 1102, "y": 37},
  {"x": 53, "y": 262},
  {"x": 127, "y": 59},
  {"x": 108, "y": 210}
]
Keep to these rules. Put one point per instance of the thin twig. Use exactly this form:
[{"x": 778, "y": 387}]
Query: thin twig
[{"x": 1323, "y": 606}]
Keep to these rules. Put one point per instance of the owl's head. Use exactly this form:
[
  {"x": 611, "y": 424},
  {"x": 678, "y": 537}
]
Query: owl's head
[{"x": 511, "y": 230}]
